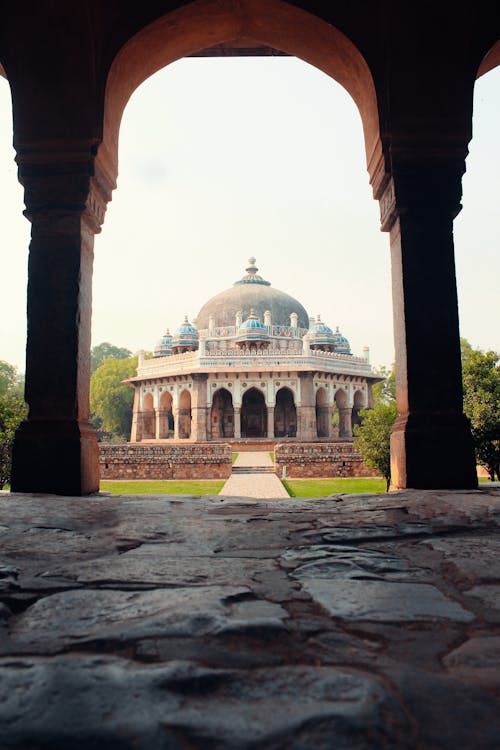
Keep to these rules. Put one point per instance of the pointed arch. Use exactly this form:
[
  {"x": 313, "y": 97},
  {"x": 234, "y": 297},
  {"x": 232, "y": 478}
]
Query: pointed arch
[
  {"x": 253, "y": 414},
  {"x": 285, "y": 414},
  {"x": 204, "y": 23},
  {"x": 184, "y": 416},
  {"x": 222, "y": 414}
]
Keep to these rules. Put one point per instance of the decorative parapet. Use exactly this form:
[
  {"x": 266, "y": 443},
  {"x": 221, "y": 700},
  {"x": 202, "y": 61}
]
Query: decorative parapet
[{"x": 259, "y": 360}]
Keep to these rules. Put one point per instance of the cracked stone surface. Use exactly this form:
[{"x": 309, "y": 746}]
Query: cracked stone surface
[{"x": 351, "y": 622}]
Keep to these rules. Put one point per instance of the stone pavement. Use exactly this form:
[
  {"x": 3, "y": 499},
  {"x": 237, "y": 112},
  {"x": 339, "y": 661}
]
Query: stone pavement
[
  {"x": 347, "y": 623},
  {"x": 253, "y": 476}
]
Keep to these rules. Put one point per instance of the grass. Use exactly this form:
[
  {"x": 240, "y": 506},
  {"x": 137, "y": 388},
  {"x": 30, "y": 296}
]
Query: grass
[
  {"x": 163, "y": 487},
  {"x": 271, "y": 456},
  {"x": 234, "y": 457},
  {"x": 323, "y": 487}
]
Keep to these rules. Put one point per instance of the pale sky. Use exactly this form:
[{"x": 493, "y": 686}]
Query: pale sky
[{"x": 221, "y": 159}]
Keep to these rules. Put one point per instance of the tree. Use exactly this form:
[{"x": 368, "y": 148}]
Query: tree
[
  {"x": 385, "y": 391},
  {"x": 373, "y": 437},
  {"x": 111, "y": 400},
  {"x": 104, "y": 351},
  {"x": 481, "y": 386},
  {"x": 12, "y": 412}
]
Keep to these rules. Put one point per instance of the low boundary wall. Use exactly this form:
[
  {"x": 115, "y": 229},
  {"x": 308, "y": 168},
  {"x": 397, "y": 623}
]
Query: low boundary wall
[
  {"x": 139, "y": 461},
  {"x": 316, "y": 460}
]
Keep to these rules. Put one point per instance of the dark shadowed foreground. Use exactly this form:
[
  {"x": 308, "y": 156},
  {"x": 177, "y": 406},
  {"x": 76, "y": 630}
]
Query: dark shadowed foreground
[{"x": 352, "y": 622}]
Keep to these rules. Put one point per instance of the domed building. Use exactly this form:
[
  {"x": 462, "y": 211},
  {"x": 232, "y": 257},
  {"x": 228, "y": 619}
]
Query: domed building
[{"x": 252, "y": 365}]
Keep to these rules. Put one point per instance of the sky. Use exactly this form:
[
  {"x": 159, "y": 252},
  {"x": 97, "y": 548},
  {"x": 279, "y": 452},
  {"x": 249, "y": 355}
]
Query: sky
[{"x": 221, "y": 159}]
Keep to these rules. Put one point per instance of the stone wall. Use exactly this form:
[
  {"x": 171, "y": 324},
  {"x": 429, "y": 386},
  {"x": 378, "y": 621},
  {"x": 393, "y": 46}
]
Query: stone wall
[
  {"x": 315, "y": 460},
  {"x": 140, "y": 461}
]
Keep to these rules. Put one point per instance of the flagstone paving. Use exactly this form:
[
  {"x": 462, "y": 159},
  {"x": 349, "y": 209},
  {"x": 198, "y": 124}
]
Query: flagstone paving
[{"x": 357, "y": 622}]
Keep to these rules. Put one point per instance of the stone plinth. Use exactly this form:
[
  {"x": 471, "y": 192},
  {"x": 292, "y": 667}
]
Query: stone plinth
[
  {"x": 140, "y": 461},
  {"x": 335, "y": 459}
]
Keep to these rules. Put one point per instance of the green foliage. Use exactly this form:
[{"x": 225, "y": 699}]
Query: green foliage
[
  {"x": 12, "y": 412},
  {"x": 111, "y": 400},
  {"x": 385, "y": 391},
  {"x": 104, "y": 351},
  {"x": 373, "y": 438},
  {"x": 481, "y": 385}
]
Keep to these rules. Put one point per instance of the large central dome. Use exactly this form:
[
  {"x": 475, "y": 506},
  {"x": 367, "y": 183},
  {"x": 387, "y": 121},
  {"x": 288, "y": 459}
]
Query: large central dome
[{"x": 251, "y": 293}]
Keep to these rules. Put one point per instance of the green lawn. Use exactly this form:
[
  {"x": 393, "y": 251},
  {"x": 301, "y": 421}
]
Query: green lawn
[
  {"x": 234, "y": 457},
  {"x": 322, "y": 487},
  {"x": 163, "y": 487}
]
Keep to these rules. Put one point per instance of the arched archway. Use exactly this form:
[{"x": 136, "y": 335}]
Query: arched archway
[
  {"x": 359, "y": 403},
  {"x": 285, "y": 414},
  {"x": 166, "y": 422},
  {"x": 204, "y": 24},
  {"x": 253, "y": 414},
  {"x": 345, "y": 414},
  {"x": 323, "y": 416},
  {"x": 222, "y": 414},
  {"x": 148, "y": 418},
  {"x": 184, "y": 416}
]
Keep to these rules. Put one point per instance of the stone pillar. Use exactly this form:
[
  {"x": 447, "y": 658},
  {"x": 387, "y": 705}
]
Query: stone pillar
[
  {"x": 270, "y": 421},
  {"x": 199, "y": 408},
  {"x": 345, "y": 422},
  {"x": 431, "y": 445},
  {"x": 306, "y": 412},
  {"x": 55, "y": 449},
  {"x": 136, "y": 431},
  {"x": 175, "y": 414},
  {"x": 237, "y": 422}
]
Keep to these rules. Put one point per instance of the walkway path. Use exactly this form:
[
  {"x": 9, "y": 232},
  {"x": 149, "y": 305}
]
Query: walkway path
[{"x": 253, "y": 476}]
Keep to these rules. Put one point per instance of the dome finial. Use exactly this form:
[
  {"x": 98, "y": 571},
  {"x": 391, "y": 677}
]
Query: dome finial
[{"x": 252, "y": 268}]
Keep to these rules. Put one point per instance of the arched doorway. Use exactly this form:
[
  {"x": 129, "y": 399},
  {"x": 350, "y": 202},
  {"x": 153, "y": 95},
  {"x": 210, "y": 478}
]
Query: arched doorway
[
  {"x": 148, "y": 418},
  {"x": 166, "y": 422},
  {"x": 222, "y": 414},
  {"x": 359, "y": 403},
  {"x": 184, "y": 415},
  {"x": 285, "y": 414},
  {"x": 323, "y": 418},
  {"x": 253, "y": 414}
]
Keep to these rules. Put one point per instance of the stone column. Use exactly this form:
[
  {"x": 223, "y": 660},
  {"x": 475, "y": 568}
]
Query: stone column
[
  {"x": 237, "y": 422},
  {"x": 55, "y": 449},
  {"x": 345, "y": 422},
  {"x": 136, "y": 431},
  {"x": 199, "y": 408},
  {"x": 175, "y": 415},
  {"x": 431, "y": 445},
  {"x": 306, "y": 412},
  {"x": 270, "y": 421}
]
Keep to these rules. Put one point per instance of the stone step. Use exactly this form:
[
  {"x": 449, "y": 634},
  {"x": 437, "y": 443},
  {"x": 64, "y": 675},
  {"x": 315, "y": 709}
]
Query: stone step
[{"x": 253, "y": 470}]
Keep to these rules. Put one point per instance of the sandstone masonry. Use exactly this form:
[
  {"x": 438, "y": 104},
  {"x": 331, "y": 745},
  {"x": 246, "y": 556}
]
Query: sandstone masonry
[
  {"x": 140, "y": 461},
  {"x": 335, "y": 459}
]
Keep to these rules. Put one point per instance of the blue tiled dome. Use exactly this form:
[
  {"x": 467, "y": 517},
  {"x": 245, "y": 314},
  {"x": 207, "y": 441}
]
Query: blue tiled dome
[
  {"x": 252, "y": 329},
  {"x": 320, "y": 334},
  {"x": 186, "y": 334},
  {"x": 164, "y": 345},
  {"x": 342, "y": 345}
]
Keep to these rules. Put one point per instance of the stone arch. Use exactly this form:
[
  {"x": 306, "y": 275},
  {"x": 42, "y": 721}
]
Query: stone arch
[
  {"x": 253, "y": 414},
  {"x": 285, "y": 414},
  {"x": 205, "y": 23},
  {"x": 184, "y": 416},
  {"x": 222, "y": 414},
  {"x": 148, "y": 417},
  {"x": 359, "y": 402},
  {"x": 490, "y": 60},
  {"x": 166, "y": 421},
  {"x": 340, "y": 398}
]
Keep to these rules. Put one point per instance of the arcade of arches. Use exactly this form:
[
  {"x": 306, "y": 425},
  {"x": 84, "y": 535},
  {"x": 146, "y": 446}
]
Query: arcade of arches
[{"x": 69, "y": 91}]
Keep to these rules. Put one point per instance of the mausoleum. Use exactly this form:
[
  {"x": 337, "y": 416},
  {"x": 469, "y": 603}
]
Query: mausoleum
[{"x": 252, "y": 365}]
